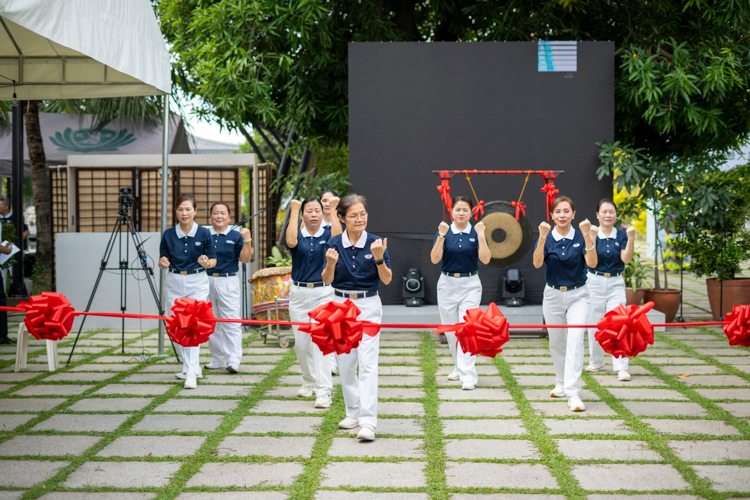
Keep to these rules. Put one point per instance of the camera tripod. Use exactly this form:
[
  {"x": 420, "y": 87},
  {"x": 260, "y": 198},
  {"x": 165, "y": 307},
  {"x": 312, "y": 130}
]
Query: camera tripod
[{"x": 124, "y": 224}]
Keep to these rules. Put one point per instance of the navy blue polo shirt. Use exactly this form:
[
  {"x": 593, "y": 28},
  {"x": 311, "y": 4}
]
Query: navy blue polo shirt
[
  {"x": 608, "y": 251},
  {"x": 228, "y": 247},
  {"x": 183, "y": 250},
  {"x": 565, "y": 258},
  {"x": 309, "y": 256},
  {"x": 460, "y": 250},
  {"x": 356, "y": 269}
]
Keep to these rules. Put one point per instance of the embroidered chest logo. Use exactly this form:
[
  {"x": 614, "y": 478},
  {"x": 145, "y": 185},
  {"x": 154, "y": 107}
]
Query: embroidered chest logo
[
  {"x": 472, "y": 239},
  {"x": 576, "y": 245},
  {"x": 230, "y": 242},
  {"x": 368, "y": 256},
  {"x": 323, "y": 242},
  {"x": 197, "y": 243}
]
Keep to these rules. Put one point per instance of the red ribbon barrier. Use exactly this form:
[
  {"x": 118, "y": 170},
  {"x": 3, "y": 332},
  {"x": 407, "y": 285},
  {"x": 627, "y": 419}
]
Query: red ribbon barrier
[
  {"x": 479, "y": 208},
  {"x": 191, "y": 323},
  {"x": 445, "y": 190},
  {"x": 626, "y": 331},
  {"x": 738, "y": 329},
  {"x": 481, "y": 332},
  {"x": 519, "y": 206},
  {"x": 337, "y": 328},
  {"x": 49, "y": 316}
]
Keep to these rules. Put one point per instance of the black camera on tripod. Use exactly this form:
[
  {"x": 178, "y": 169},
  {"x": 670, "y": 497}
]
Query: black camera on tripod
[{"x": 126, "y": 200}]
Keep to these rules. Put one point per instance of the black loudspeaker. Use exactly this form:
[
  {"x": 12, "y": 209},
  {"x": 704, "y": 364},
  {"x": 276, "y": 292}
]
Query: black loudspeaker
[
  {"x": 513, "y": 288},
  {"x": 413, "y": 288}
]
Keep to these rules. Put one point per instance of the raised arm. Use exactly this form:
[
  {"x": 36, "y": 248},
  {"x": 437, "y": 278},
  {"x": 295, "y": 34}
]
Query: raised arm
[
  {"x": 336, "y": 228},
  {"x": 378, "y": 249},
  {"x": 293, "y": 227},
  {"x": 544, "y": 230},
  {"x": 589, "y": 233},
  {"x": 626, "y": 254},
  {"x": 332, "y": 257},
  {"x": 436, "y": 254},
  {"x": 484, "y": 250}
]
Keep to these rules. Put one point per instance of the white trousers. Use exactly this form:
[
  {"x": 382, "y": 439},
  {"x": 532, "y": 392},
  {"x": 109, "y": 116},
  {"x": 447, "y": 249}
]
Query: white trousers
[
  {"x": 605, "y": 294},
  {"x": 455, "y": 296},
  {"x": 361, "y": 393},
  {"x": 225, "y": 343},
  {"x": 316, "y": 368},
  {"x": 190, "y": 286},
  {"x": 566, "y": 344}
]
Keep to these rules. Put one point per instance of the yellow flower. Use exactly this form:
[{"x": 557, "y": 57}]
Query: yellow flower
[{"x": 634, "y": 56}]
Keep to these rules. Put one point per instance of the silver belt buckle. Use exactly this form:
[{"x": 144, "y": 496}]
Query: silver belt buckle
[
  {"x": 184, "y": 273},
  {"x": 456, "y": 275},
  {"x": 352, "y": 296},
  {"x": 215, "y": 275},
  {"x": 607, "y": 275},
  {"x": 310, "y": 285},
  {"x": 563, "y": 288}
]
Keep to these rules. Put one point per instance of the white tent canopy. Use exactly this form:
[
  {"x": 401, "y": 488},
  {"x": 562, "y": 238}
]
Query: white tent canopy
[{"x": 66, "y": 49}]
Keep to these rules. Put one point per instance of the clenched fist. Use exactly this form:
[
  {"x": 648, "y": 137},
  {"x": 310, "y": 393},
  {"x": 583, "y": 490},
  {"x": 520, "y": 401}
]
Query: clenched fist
[
  {"x": 333, "y": 202},
  {"x": 203, "y": 261},
  {"x": 479, "y": 228},
  {"x": 544, "y": 229},
  {"x": 245, "y": 233},
  {"x": 593, "y": 232},
  {"x": 378, "y": 248},
  {"x": 585, "y": 226},
  {"x": 443, "y": 228},
  {"x": 630, "y": 231},
  {"x": 294, "y": 205},
  {"x": 332, "y": 256},
  {"x": 164, "y": 263}
]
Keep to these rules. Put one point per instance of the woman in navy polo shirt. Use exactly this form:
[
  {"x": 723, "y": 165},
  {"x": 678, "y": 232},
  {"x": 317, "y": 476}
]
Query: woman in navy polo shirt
[
  {"x": 356, "y": 263},
  {"x": 329, "y": 217},
  {"x": 308, "y": 248},
  {"x": 566, "y": 297},
  {"x": 231, "y": 246},
  {"x": 458, "y": 248},
  {"x": 186, "y": 251},
  {"x": 606, "y": 285}
]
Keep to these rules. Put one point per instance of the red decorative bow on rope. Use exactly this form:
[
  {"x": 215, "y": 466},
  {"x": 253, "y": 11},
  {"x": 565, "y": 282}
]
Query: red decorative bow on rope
[
  {"x": 445, "y": 190},
  {"x": 519, "y": 206},
  {"x": 738, "y": 329},
  {"x": 478, "y": 209},
  {"x": 549, "y": 188},
  {"x": 337, "y": 328},
  {"x": 191, "y": 323},
  {"x": 626, "y": 331},
  {"x": 481, "y": 332},
  {"x": 49, "y": 316}
]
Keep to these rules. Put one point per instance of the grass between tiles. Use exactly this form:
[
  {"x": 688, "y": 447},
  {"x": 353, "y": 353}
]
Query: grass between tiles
[{"x": 437, "y": 486}]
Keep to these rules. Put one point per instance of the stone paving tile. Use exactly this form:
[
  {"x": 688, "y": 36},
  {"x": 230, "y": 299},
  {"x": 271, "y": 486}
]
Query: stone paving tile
[
  {"x": 292, "y": 425},
  {"x": 489, "y": 475},
  {"x": 711, "y": 451},
  {"x": 624, "y": 394},
  {"x": 394, "y": 408},
  {"x": 381, "y": 447},
  {"x": 395, "y": 427},
  {"x": 178, "y": 423},
  {"x": 725, "y": 477},
  {"x": 217, "y": 391},
  {"x": 111, "y": 404},
  {"x": 499, "y": 409},
  {"x": 47, "y": 445},
  {"x": 197, "y": 405},
  {"x": 715, "y": 380},
  {"x": 538, "y": 380},
  {"x": 606, "y": 449},
  {"x": 533, "y": 369},
  {"x": 52, "y": 390},
  {"x": 476, "y": 394},
  {"x": 31, "y": 367},
  {"x": 743, "y": 394},
  {"x": 643, "y": 497},
  {"x": 236, "y": 378},
  {"x": 543, "y": 360},
  {"x": 5, "y": 387},
  {"x": 399, "y": 360},
  {"x": 490, "y": 448},
  {"x": 244, "y": 446},
  {"x": 287, "y": 406},
  {"x": 154, "y": 446},
  {"x": 734, "y": 360},
  {"x": 727, "y": 351},
  {"x": 743, "y": 368},
  {"x": 691, "y": 369},
  {"x": 591, "y": 426},
  {"x": 79, "y": 377},
  {"x": 392, "y": 351},
  {"x": 398, "y": 380},
  {"x": 560, "y": 409},
  {"x": 122, "y": 474},
  {"x": 109, "y": 367},
  {"x": 374, "y": 474},
  {"x": 399, "y": 370},
  {"x": 444, "y": 371},
  {"x": 737, "y": 409},
  {"x": 260, "y": 359},
  {"x": 10, "y": 422},
  {"x": 164, "y": 368},
  {"x": 29, "y": 404},
  {"x": 650, "y": 409},
  {"x": 121, "y": 358},
  {"x": 544, "y": 395},
  {"x": 135, "y": 389},
  {"x": 369, "y": 495},
  {"x": 706, "y": 343},
  {"x": 164, "y": 378},
  {"x": 27, "y": 473},
  {"x": 673, "y": 361},
  {"x": 710, "y": 427},
  {"x": 80, "y": 495},
  {"x": 637, "y": 477},
  {"x": 234, "y": 495},
  {"x": 287, "y": 391},
  {"x": 399, "y": 343},
  {"x": 636, "y": 381},
  {"x": 245, "y": 475},
  {"x": 81, "y": 423},
  {"x": 507, "y": 496},
  {"x": 400, "y": 393},
  {"x": 489, "y": 427},
  {"x": 16, "y": 377}
]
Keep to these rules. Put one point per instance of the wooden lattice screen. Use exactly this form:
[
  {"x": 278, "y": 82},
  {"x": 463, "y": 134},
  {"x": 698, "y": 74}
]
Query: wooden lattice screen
[{"x": 267, "y": 220}]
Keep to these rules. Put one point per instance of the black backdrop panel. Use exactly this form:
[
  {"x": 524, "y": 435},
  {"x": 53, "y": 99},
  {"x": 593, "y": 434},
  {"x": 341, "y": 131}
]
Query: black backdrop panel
[{"x": 418, "y": 107}]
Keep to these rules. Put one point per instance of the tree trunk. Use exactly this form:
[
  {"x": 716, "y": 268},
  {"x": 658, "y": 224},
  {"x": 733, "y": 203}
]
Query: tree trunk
[{"x": 39, "y": 185}]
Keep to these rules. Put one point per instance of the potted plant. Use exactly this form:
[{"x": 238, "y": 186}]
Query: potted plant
[{"x": 635, "y": 274}]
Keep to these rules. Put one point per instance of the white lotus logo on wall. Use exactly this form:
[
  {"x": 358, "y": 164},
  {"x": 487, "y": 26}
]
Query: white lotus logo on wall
[{"x": 88, "y": 141}]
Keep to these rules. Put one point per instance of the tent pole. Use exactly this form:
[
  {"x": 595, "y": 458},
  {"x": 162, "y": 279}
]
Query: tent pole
[
  {"x": 17, "y": 287},
  {"x": 163, "y": 225}
]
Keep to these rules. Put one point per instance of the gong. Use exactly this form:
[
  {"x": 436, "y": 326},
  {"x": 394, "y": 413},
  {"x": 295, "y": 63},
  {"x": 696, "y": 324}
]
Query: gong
[{"x": 509, "y": 240}]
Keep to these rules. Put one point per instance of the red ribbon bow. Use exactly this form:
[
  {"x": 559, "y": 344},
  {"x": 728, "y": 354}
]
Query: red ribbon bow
[
  {"x": 191, "y": 323},
  {"x": 549, "y": 188},
  {"x": 337, "y": 328},
  {"x": 445, "y": 190},
  {"x": 481, "y": 332},
  {"x": 519, "y": 206},
  {"x": 738, "y": 328},
  {"x": 478, "y": 209},
  {"x": 626, "y": 331},
  {"x": 49, "y": 316}
]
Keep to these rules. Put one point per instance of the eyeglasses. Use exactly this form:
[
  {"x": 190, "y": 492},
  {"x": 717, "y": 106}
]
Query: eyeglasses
[{"x": 357, "y": 217}]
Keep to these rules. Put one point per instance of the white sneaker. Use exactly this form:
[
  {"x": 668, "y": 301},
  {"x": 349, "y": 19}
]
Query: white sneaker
[
  {"x": 575, "y": 404},
  {"x": 305, "y": 392},
  {"x": 453, "y": 375},
  {"x": 334, "y": 371},
  {"x": 233, "y": 369},
  {"x": 191, "y": 381},
  {"x": 349, "y": 423},
  {"x": 323, "y": 402},
  {"x": 183, "y": 376},
  {"x": 366, "y": 433},
  {"x": 623, "y": 376},
  {"x": 215, "y": 366},
  {"x": 594, "y": 368},
  {"x": 557, "y": 392},
  {"x": 467, "y": 386}
]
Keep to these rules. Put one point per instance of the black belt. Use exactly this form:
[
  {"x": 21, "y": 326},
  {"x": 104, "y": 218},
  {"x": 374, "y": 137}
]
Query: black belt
[
  {"x": 355, "y": 295},
  {"x": 222, "y": 275},
  {"x": 566, "y": 288},
  {"x": 606, "y": 275},
  {"x": 459, "y": 275},
  {"x": 192, "y": 271},
  {"x": 313, "y": 284}
]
